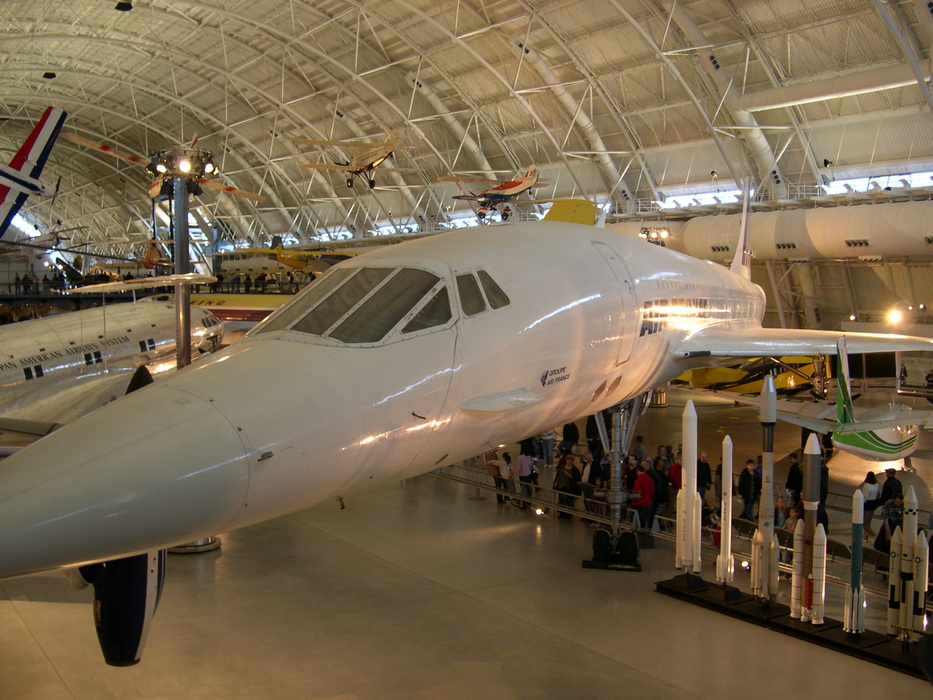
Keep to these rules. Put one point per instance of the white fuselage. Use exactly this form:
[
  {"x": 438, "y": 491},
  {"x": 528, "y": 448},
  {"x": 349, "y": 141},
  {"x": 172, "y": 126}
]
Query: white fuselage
[
  {"x": 313, "y": 406},
  {"x": 60, "y": 367}
]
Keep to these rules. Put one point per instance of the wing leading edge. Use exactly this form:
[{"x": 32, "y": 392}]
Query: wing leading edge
[{"x": 754, "y": 341}]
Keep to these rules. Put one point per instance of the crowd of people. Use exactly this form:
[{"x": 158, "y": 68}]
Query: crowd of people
[
  {"x": 239, "y": 282},
  {"x": 29, "y": 283},
  {"x": 580, "y": 468},
  {"x": 651, "y": 483}
]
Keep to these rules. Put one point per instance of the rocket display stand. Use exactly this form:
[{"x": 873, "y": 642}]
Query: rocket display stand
[
  {"x": 806, "y": 620},
  {"x": 869, "y": 645}
]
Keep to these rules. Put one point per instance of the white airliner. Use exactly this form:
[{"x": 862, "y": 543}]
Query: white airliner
[
  {"x": 20, "y": 178},
  {"x": 393, "y": 363},
  {"x": 55, "y": 369}
]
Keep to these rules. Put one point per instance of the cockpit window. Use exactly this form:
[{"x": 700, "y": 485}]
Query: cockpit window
[
  {"x": 362, "y": 305},
  {"x": 471, "y": 299},
  {"x": 497, "y": 298},
  {"x": 335, "y": 306},
  {"x": 435, "y": 313},
  {"x": 309, "y": 297},
  {"x": 386, "y": 307}
]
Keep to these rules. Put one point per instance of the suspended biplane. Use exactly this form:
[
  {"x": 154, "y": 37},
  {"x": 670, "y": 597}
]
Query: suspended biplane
[{"x": 362, "y": 165}]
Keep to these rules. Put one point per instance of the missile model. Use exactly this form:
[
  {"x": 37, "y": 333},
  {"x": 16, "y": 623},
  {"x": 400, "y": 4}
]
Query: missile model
[
  {"x": 818, "y": 577},
  {"x": 854, "y": 609},
  {"x": 809, "y": 575},
  {"x": 725, "y": 562},
  {"x": 798, "y": 577},
  {"x": 907, "y": 575},
  {"x": 765, "y": 546},
  {"x": 689, "y": 503}
]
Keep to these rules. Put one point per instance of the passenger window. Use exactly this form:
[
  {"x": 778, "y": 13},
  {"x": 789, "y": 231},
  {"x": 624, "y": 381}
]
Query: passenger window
[
  {"x": 386, "y": 307},
  {"x": 435, "y": 313},
  {"x": 471, "y": 299},
  {"x": 332, "y": 309},
  {"x": 497, "y": 298}
]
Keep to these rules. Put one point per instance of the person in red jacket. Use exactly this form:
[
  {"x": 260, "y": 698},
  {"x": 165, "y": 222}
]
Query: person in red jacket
[{"x": 644, "y": 487}]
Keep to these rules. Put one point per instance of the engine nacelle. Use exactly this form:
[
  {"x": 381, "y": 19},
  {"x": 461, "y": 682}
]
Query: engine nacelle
[{"x": 126, "y": 594}]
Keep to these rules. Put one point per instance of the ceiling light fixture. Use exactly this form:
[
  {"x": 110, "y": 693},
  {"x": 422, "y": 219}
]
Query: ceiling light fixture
[{"x": 123, "y": 6}]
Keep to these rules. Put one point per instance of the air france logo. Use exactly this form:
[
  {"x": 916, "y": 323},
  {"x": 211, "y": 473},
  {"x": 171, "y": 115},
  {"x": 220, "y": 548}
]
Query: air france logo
[{"x": 553, "y": 376}]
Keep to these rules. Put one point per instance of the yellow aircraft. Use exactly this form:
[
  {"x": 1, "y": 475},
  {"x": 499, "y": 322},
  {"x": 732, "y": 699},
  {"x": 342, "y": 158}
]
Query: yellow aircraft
[
  {"x": 316, "y": 260},
  {"x": 792, "y": 374}
]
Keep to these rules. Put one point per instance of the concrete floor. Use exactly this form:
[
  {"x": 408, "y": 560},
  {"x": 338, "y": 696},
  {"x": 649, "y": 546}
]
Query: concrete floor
[{"x": 418, "y": 591}]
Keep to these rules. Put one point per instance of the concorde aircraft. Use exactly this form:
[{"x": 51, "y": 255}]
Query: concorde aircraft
[
  {"x": 393, "y": 363},
  {"x": 20, "y": 178},
  {"x": 55, "y": 369}
]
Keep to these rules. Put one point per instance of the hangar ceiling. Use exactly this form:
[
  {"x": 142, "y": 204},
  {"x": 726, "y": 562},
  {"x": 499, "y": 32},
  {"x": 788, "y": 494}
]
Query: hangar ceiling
[{"x": 627, "y": 101}]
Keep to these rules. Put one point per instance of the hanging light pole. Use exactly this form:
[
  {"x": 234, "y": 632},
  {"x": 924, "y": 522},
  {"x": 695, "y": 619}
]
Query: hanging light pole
[{"x": 178, "y": 170}]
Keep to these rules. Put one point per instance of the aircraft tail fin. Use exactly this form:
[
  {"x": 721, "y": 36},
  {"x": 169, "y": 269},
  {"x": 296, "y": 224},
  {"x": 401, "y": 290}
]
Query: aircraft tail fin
[
  {"x": 10, "y": 206},
  {"x": 844, "y": 413},
  {"x": 34, "y": 152},
  {"x": 276, "y": 243},
  {"x": 28, "y": 162},
  {"x": 740, "y": 264},
  {"x": 572, "y": 211}
]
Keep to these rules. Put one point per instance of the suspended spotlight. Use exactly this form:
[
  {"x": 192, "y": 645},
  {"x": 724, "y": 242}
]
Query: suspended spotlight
[
  {"x": 895, "y": 316},
  {"x": 853, "y": 317},
  {"x": 123, "y": 6},
  {"x": 181, "y": 161}
]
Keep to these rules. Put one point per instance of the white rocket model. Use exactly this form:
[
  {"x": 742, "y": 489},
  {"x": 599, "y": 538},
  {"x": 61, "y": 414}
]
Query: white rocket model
[
  {"x": 818, "y": 577},
  {"x": 765, "y": 546},
  {"x": 854, "y": 615},
  {"x": 689, "y": 503},
  {"x": 725, "y": 562},
  {"x": 907, "y": 574},
  {"x": 809, "y": 577},
  {"x": 798, "y": 576}
]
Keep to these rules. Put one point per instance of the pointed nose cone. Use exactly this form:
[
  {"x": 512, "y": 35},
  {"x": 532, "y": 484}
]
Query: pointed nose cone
[{"x": 159, "y": 466}]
